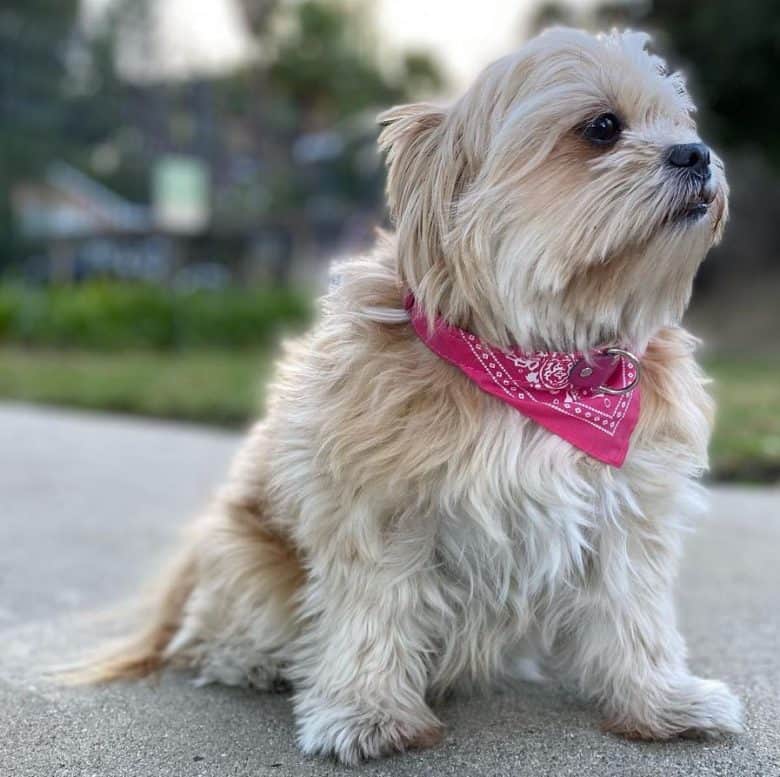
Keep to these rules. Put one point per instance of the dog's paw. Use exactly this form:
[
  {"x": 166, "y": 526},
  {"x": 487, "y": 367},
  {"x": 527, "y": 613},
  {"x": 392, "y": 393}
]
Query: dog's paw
[
  {"x": 696, "y": 709},
  {"x": 352, "y": 735}
]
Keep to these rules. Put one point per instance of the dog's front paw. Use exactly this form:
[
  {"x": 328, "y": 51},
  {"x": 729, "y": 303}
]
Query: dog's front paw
[
  {"x": 696, "y": 708},
  {"x": 351, "y": 734}
]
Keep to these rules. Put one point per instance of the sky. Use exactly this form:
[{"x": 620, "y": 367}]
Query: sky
[
  {"x": 191, "y": 37},
  {"x": 464, "y": 36},
  {"x": 203, "y": 36}
]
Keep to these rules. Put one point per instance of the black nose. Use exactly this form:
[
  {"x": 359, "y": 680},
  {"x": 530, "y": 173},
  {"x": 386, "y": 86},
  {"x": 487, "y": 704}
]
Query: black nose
[{"x": 695, "y": 156}]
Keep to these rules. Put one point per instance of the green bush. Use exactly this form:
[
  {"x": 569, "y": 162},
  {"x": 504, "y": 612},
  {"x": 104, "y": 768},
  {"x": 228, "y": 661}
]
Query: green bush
[{"x": 118, "y": 315}]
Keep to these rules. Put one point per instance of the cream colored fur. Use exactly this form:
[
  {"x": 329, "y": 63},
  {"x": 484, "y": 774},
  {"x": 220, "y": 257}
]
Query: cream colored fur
[{"x": 388, "y": 531}]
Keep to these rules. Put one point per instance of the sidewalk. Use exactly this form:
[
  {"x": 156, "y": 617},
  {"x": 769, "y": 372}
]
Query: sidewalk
[{"x": 88, "y": 507}]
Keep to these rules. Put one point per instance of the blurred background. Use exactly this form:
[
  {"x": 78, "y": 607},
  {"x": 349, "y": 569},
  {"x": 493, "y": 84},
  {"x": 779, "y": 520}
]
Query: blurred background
[{"x": 175, "y": 176}]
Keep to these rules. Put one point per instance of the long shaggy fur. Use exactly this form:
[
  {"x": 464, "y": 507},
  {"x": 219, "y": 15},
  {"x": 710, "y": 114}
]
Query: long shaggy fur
[{"x": 388, "y": 531}]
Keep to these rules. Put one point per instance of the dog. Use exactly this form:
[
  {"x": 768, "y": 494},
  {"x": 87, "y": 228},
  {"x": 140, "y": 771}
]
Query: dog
[{"x": 395, "y": 527}]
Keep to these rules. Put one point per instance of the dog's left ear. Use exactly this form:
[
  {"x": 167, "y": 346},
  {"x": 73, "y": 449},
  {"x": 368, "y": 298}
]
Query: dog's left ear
[
  {"x": 427, "y": 169},
  {"x": 411, "y": 139}
]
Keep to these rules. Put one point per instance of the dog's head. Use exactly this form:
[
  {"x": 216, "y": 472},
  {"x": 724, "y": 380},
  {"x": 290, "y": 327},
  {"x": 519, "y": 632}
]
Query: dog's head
[{"x": 565, "y": 201}]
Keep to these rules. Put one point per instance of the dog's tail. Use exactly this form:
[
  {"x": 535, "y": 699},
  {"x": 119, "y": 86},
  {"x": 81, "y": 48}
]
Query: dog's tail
[{"x": 144, "y": 652}]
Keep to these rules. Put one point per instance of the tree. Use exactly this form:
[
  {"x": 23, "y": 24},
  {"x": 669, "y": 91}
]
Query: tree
[
  {"x": 325, "y": 66},
  {"x": 35, "y": 40}
]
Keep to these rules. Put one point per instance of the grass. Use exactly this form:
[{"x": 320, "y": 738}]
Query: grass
[
  {"x": 208, "y": 386},
  {"x": 746, "y": 443},
  {"x": 224, "y": 387}
]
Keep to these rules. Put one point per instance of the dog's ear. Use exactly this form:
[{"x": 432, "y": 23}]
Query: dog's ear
[
  {"x": 410, "y": 137},
  {"x": 427, "y": 171}
]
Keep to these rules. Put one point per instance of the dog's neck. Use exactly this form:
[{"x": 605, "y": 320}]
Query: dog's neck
[
  {"x": 567, "y": 322},
  {"x": 624, "y": 301}
]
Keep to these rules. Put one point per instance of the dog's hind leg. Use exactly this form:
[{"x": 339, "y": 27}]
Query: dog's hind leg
[
  {"x": 240, "y": 617},
  {"x": 225, "y": 609}
]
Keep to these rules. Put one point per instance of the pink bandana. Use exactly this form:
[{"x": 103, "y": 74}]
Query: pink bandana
[{"x": 590, "y": 400}]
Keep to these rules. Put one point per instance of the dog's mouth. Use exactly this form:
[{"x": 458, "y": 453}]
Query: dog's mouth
[{"x": 696, "y": 205}]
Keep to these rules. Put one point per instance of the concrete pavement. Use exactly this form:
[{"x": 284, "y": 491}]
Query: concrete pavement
[{"x": 88, "y": 507}]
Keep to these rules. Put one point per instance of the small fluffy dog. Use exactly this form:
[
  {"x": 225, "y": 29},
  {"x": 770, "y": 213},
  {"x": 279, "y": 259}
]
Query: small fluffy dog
[{"x": 392, "y": 530}]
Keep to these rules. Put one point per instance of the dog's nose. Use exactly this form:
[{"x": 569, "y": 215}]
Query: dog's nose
[{"x": 694, "y": 156}]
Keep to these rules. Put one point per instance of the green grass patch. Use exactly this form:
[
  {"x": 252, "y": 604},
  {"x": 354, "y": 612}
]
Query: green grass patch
[
  {"x": 207, "y": 386},
  {"x": 746, "y": 443},
  {"x": 225, "y": 387}
]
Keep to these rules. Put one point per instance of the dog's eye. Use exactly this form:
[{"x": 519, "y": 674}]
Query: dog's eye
[{"x": 603, "y": 130}]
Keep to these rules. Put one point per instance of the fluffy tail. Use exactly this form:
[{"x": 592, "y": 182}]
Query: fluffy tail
[{"x": 143, "y": 653}]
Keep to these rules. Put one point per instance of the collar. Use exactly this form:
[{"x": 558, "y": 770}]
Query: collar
[{"x": 590, "y": 399}]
